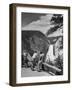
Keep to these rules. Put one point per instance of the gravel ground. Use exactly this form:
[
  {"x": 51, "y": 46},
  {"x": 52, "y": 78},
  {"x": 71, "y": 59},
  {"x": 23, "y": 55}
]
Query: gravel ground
[{"x": 27, "y": 72}]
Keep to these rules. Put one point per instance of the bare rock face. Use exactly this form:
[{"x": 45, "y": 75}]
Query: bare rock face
[{"x": 34, "y": 41}]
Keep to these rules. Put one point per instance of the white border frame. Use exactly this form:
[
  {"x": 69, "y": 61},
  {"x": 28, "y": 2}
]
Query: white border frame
[{"x": 63, "y": 77}]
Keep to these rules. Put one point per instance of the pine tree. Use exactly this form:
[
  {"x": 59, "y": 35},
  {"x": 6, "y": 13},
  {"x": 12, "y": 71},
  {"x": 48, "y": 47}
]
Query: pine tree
[{"x": 57, "y": 21}]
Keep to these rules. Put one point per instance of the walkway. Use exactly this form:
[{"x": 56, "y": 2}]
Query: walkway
[{"x": 27, "y": 72}]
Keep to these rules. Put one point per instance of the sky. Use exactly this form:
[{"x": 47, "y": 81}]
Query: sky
[{"x": 36, "y": 21}]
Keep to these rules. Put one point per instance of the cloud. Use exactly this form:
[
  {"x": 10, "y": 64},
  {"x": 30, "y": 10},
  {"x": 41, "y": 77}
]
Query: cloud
[{"x": 43, "y": 24}]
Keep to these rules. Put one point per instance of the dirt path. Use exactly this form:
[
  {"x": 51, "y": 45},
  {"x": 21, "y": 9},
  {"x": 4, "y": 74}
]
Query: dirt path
[{"x": 27, "y": 72}]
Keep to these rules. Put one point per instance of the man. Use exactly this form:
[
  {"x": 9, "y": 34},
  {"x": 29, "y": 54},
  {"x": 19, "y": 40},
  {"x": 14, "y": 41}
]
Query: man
[
  {"x": 35, "y": 57},
  {"x": 39, "y": 65},
  {"x": 25, "y": 60}
]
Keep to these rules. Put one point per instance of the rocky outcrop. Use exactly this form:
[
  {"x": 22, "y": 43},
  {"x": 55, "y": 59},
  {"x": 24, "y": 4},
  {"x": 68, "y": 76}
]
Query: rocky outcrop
[{"x": 34, "y": 41}]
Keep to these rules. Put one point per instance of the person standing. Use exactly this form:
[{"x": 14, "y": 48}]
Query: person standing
[
  {"x": 39, "y": 64},
  {"x": 25, "y": 60},
  {"x": 35, "y": 57}
]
